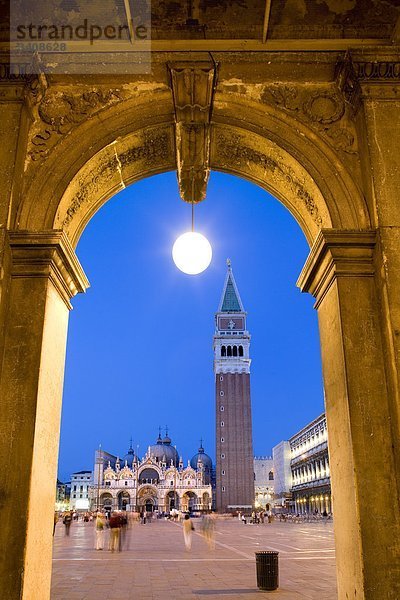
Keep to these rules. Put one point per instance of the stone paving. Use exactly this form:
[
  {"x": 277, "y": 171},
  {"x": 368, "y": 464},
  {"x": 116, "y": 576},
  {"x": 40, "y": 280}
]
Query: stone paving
[{"x": 154, "y": 564}]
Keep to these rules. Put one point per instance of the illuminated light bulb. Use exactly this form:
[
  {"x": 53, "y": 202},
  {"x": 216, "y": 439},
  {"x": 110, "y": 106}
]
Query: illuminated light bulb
[{"x": 192, "y": 253}]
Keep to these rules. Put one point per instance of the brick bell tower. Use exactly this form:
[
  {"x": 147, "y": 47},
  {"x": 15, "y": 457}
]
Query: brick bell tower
[{"x": 234, "y": 464}]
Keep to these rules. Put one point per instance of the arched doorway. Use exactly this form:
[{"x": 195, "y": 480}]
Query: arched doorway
[
  {"x": 149, "y": 505},
  {"x": 308, "y": 174},
  {"x": 124, "y": 500},
  {"x": 172, "y": 501},
  {"x": 147, "y": 499},
  {"x": 106, "y": 502},
  {"x": 189, "y": 502}
]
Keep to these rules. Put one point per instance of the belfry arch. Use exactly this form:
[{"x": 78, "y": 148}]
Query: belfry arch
[{"x": 76, "y": 147}]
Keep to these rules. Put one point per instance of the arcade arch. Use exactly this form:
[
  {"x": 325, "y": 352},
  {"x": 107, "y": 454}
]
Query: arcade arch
[
  {"x": 147, "y": 498},
  {"x": 281, "y": 153},
  {"x": 189, "y": 502},
  {"x": 106, "y": 502},
  {"x": 124, "y": 500}
]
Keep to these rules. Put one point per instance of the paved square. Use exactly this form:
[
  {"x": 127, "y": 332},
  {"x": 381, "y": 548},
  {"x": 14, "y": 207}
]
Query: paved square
[{"x": 155, "y": 566}]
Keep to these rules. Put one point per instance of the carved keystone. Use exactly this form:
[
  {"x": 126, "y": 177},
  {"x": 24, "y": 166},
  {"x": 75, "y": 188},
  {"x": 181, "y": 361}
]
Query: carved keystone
[{"x": 192, "y": 89}]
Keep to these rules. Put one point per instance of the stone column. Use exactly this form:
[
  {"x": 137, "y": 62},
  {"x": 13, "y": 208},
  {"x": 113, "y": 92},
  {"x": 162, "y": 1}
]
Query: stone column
[
  {"x": 340, "y": 273},
  {"x": 381, "y": 103},
  {"x": 44, "y": 275},
  {"x": 14, "y": 125}
]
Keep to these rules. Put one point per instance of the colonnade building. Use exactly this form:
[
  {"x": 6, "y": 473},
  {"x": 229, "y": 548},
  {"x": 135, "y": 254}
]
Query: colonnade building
[
  {"x": 159, "y": 482},
  {"x": 311, "y": 487},
  {"x": 302, "y": 473}
]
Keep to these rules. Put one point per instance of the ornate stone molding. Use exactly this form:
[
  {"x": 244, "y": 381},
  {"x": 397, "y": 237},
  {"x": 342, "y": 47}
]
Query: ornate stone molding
[
  {"x": 48, "y": 254},
  {"x": 151, "y": 147},
  {"x": 235, "y": 151},
  {"x": 192, "y": 90},
  {"x": 378, "y": 71},
  {"x": 379, "y": 79},
  {"x": 23, "y": 82},
  {"x": 324, "y": 109},
  {"x": 58, "y": 112},
  {"x": 337, "y": 253}
]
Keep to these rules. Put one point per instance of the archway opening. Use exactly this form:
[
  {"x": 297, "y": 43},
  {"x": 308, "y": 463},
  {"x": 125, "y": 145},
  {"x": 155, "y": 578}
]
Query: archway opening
[{"x": 152, "y": 313}]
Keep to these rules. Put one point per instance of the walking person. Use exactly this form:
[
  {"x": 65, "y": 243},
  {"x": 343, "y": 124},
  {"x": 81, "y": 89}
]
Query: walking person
[
  {"x": 99, "y": 531},
  {"x": 187, "y": 532},
  {"x": 67, "y": 522},
  {"x": 115, "y": 526},
  {"x": 209, "y": 530}
]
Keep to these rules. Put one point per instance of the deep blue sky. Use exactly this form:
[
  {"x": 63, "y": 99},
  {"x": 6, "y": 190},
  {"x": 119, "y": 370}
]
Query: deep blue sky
[{"x": 140, "y": 340}]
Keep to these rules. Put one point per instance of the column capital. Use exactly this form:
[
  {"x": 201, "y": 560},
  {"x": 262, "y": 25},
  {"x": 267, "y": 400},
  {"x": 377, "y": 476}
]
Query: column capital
[
  {"x": 48, "y": 254},
  {"x": 337, "y": 253}
]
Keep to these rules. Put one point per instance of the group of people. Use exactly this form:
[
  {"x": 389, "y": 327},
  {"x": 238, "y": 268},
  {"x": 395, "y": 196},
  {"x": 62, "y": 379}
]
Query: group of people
[
  {"x": 256, "y": 517},
  {"x": 117, "y": 524},
  {"x": 69, "y": 516}
]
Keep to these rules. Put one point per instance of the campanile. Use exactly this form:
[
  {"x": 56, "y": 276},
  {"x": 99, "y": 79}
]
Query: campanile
[{"x": 234, "y": 446}]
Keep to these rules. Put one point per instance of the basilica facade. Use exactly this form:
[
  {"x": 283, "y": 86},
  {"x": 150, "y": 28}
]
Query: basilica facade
[{"x": 158, "y": 482}]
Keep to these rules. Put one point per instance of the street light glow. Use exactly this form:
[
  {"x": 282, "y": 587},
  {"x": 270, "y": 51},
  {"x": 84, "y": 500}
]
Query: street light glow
[{"x": 192, "y": 253}]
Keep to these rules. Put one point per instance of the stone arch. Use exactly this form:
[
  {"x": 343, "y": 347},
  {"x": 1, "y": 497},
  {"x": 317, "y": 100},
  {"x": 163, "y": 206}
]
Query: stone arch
[
  {"x": 172, "y": 500},
  {"x": 189, "y": 501},
  {"x": 106, "y": 501},
  {"x": 123, "y": 499},
  {"x": 149, "y": 474},
  {"x": 129, "y": 141},
  {"x": 147, "y": 494}
]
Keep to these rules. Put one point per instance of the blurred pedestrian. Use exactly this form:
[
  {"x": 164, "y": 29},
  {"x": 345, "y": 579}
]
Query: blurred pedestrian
[
  {"x": 123, "y": 536},
  {"x": 67, "y": 520},
  {"x": 187, "y": 531},
  {"x": 114, "y": 524},
  {"x": 99, "y": 531},
  {"x": 208, "y": 526}
]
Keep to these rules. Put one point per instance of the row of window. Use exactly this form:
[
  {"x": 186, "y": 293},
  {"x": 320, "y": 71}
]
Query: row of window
[
  {"x": 231, "y": 332},
  {"x": 231, "y": 350}
]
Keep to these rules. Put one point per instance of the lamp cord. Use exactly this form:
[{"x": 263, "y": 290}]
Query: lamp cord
[{"x": 192, "y": 216}]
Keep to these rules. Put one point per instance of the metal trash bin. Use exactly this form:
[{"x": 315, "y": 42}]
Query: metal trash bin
[{"x": 267, "y": 570}]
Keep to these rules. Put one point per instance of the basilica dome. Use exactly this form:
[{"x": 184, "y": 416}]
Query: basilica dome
[
  {"x": 162, "y": 450},
  {"x": 129, "y": 457},
  {"x": 203, "y": 458}
]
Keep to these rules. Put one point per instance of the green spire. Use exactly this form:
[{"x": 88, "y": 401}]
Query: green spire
[{"x": 230, "y": 302}]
